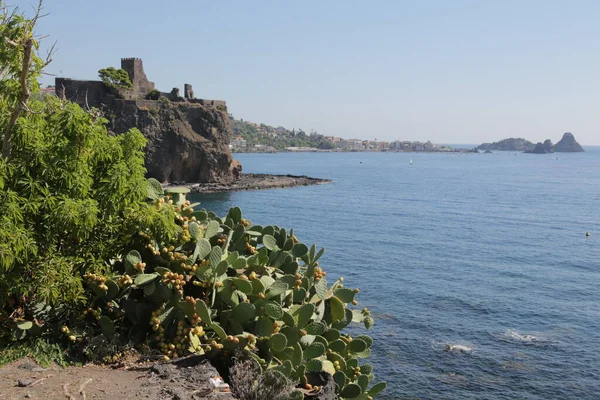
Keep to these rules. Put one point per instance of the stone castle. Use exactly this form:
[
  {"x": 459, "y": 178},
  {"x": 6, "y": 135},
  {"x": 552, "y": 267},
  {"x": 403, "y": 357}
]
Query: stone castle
[
  {"x": 95, "y": 93},
  {"x": 187, "y": 138}
]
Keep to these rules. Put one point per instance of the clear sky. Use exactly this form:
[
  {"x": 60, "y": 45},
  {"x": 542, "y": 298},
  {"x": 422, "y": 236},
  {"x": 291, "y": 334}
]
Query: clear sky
[{"x": 449, "y": 71}]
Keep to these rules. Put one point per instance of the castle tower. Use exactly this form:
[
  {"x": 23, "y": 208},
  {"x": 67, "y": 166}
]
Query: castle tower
[{"x": 135, "y": 70}]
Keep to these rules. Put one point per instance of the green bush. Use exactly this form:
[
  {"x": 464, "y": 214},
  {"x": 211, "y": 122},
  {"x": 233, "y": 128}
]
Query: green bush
[
  {"x": 223, "y": 285},
  {"x": 153, "y": 95},
  {"x": 69, "y": 191}
]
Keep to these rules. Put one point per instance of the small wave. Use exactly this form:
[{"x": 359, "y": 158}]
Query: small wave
[
  {"x": 453, "y": 347},
  {"x": 458, "y": 348},
  {"x": 522, "y": 337}
]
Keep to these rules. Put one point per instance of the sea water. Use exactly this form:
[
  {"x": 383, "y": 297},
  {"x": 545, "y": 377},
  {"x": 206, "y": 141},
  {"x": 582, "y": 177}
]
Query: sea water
[{"x": 476, "y": 267}]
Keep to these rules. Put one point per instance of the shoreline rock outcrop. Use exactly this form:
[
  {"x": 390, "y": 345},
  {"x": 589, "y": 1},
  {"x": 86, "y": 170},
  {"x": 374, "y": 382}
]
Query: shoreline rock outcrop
[{"x": 186, "y": 142}]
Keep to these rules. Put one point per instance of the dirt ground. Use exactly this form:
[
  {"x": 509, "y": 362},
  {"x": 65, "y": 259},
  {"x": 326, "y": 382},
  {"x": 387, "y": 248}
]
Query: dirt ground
[
  {"x": 257, "y": 182},
  {"x": 184, "y": 379}
]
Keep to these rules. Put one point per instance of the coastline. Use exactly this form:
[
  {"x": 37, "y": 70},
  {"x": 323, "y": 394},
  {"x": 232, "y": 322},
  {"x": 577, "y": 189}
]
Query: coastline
[
  {"x": 257, "y": 182},
  {"x": 315, "y": 150}
]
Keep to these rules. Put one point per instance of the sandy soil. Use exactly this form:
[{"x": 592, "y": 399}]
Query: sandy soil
[
  {"x": 184, "y": 379},
  {"x": 257, "y": 182}
]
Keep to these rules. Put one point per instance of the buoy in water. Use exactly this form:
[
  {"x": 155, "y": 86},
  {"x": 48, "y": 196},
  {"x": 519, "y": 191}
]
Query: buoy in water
[{"x": 587, "y": 234}]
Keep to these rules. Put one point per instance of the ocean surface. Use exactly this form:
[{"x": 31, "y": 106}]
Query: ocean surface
[{"x": 486, "y": 253}]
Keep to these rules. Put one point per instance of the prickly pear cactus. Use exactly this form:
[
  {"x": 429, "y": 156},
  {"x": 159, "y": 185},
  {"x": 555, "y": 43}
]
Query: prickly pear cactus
[{"x": 226, "y": 284}]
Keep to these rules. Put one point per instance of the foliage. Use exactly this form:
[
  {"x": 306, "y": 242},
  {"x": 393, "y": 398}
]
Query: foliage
[
  {"x": 95, "y": 257},
  {"x": 224, "y": 284},
  {"x": 69, "y": 191},
  {"x": 279, "y": 138},
  {"x": 40, "y": 350},
  {"x": 115, "y": 78},
  {"x": 153, "y": 94}
]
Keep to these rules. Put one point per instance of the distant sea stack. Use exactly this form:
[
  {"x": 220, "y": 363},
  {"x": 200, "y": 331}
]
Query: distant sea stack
[
  {"x": 542, "y": 148},
  {"x": 510, "y": 144},
  {"x": 568, "y": 144},
  {"x": 188, "y": 138}
]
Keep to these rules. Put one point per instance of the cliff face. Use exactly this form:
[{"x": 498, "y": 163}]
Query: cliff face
[
  {"x": 188, "y": 138},
  {"x": 186, "y": 141},
  {"x": 568, "y": 144}
]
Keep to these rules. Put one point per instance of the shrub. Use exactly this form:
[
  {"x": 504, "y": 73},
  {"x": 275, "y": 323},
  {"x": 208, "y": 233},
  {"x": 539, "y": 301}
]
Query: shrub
[
  {"x": 223, "y": 284},
  {"x": 153, "y": 95},
  {"x": 69, "y": 191}
]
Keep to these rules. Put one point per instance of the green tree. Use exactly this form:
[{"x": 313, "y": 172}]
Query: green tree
[
  {"x": 69, "y": 190},
  {"x": 115, "y": 78}
]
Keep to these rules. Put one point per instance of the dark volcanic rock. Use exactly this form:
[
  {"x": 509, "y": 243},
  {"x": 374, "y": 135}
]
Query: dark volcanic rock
[
  {"x": 568, "y": 144},
  {"x": 325, "y": 382},
  {"x": 188, "y": 138},
  {"x": 540, "y": 148},
  {"x": 548, "y": 146},
  {"x": 186, "y": 141}
]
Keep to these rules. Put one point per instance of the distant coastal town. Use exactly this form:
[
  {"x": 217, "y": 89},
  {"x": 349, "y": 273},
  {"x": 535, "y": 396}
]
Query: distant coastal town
[{"x": 250, "y": 137}]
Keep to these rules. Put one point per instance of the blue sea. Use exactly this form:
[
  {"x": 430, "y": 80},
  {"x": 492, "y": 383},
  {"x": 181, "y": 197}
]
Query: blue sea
[{"x": 484, "y": 252}]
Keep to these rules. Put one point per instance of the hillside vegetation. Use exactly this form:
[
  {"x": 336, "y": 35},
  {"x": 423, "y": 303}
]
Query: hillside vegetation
[{"x": 279, "y": 137}]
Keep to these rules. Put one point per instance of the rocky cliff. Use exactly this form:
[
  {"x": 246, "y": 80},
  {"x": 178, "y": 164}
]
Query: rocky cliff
[
  {"x": 186, "y": 141},
  {"x": 568, "y": 144},
  {"x": 188, "y": 138}
]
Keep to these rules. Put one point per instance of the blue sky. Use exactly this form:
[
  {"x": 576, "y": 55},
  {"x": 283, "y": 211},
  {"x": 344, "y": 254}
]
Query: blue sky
[{"x": 451, "y": 71}]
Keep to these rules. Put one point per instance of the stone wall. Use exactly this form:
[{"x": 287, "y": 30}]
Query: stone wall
[
  {"x": 85, "y": 93},
  {"x": 206, "y": 102}
]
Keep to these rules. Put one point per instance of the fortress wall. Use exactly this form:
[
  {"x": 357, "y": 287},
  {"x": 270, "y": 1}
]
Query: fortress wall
[
  {"x": 209, "y": 102},
  {"x": 80, "y": 92}
]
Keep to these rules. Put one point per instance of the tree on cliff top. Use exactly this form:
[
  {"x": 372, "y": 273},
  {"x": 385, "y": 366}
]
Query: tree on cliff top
[{"x": 115, "y": 78}]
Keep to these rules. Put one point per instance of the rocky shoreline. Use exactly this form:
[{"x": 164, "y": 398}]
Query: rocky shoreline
[{"x": 255, "y": 182}]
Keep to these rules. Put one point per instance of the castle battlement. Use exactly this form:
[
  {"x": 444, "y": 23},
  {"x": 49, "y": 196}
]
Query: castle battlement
[{"x": 92, "y": 93}]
